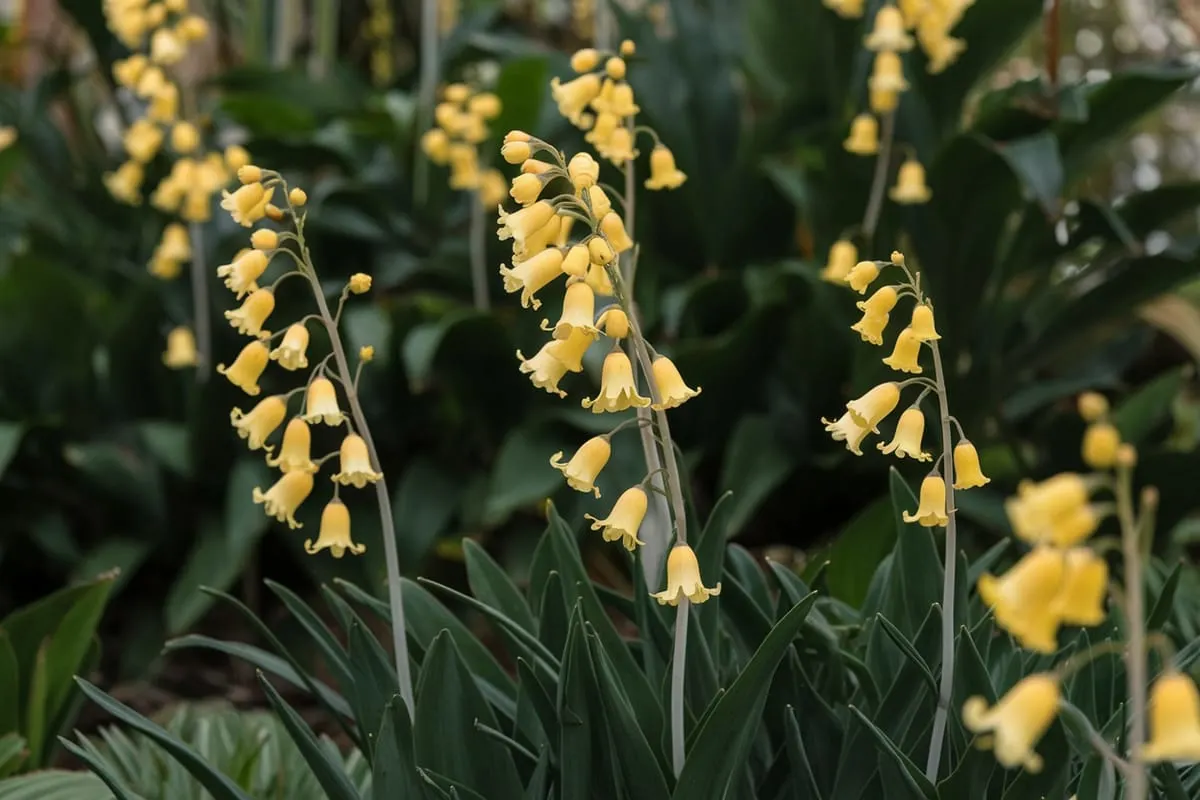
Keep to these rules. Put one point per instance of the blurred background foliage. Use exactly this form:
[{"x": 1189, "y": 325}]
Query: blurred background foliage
[{"x": 1060, "y": 245}]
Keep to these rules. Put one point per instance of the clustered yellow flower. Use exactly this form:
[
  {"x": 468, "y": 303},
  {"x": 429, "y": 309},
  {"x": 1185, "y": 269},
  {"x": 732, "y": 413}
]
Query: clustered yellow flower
[
  {"x": 932, "y": 20},
  {"x": 249, "y": 205},
  {"x": 547, "y": 245},
  {"x": 461, "y": 126},
  {"x": 379, "y": 32},
  {"x": 863, "y": 415}
]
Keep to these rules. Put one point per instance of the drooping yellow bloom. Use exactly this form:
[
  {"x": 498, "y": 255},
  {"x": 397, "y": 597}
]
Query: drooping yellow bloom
[
  {"x": 623, "y": 521},
  {"x": 585, "y": 60},
  {"x": 910, "y": 188},
  {"x": 246, "y": 268},
  {"x": 125, "y": 184},
  {"x": 164, "y": 103},
  {"x": 861, "y": 275},
  {"x": 575, "y": 262},
  {"x": 249, "y": 318},
  {"x": 913, "y": 11},
  {"x": 1018, "y": 721},
  {"x": 583, "y": 170},
  {"x": 941, "y": 52},
  {"x": 126, "y": 71},
  {"x": 291, "y": 353},
  {"x": 435, "y": 144},
  {"x": 614, "y": 322},
  {"x": 907, "y": 439},
  {"x": 1054, "y": 511},
  {"x": 570, "y": 350},
  {"x": 166, "y": 48},
  {"x": 260, "y": 423},
  {"x": 1174, "y": 719},
  {"x": 282, "y": 499},
  {"x": 464, "y": 166},
  {"x": 870, "y": 409},
  {"x": 683, "y": 579},
  {"x": 264, "y": 239},
  {"x": 619, "y": 147},
  {"x": 931, "y": 509},
  {"x": 192, "y": 28},
  {"x": 181, "y": 348},
  {"x": 584, "y": 467},
  {"x": 1093, "y": 406},
  {"x": 883, "y": 101},
  {"x": 573, "y": 97},
  {"x": 887, "y": 74},
  {"x": 492, "y": 188},
  {"x": 864, "y": 136},
  {"x": 905, "y": 355},
  {"x": 485, "y": 104},
  {"x": 544, "y": 370},
  {"x": 871, "y": 327},
  {"x": 526, "y": 188},
  {"x": 613, "y": 229},
  {"x": 152, "y": 81},
  {"x": 295, "y": 454},
  {"x": 672, "y": 391},
  {"x": 516, "y": 152},
  {"x": 184, "y": 137},
  {"x": 615, "y": 68},
  {"x": 1023, "y": 598},
  {"x": 600, "y": 252},
  {"x": 967, "y": 472},
  {"x": 335, "y": 532},
  {"x": 1084, "y": 588},
  {"x": 845, "y": 429},
  {"x": 248, "y": 204},
  {"x": 618, "y": 101},
  {"x": 175, "y": 244},
  {"x": 663, "y": 172},
  {"x": 1100, "y": 443},
  {"x": 618, "y": 391},
  {"x": 143, "y": 140},
  {"x": 539, "y": 241},
  {"x": 247, "y": 367},
  {"x": 521, "y": 223},
  {"x": 321, "y": 403},
  {"x": 579, "y": 307},
  {"x": 888, "y": 33},
  {"x": 602, "y": 131},
  {"x": 922, "y": 323},
  {"x": 355, "y": 462},
  {"x": 598, "y": 278},
  {"x": 530, "y": 276},
  {"x": 842, "y": 257}
]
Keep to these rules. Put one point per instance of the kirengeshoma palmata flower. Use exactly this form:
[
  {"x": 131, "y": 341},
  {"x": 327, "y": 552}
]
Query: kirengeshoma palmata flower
[
  {"x": 570, "y": 241},
  {"x": 322, "y": 398},
  {"x": 916, "y": 342}
]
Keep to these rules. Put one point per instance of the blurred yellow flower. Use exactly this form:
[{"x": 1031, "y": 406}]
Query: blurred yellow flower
[
  {"x": 1174, "y": 719},
  {"x": 887, "y": 74},
  {"x": 618, "y": 391},
  {"x": 663, "y": 172},
  {"x": 260, "y": 423},
  {"x": 295, "y": 454},
  {"x": 910, "y": 185},
  {"x": 181, "y": 348},
  {"x": 842, "y": 257},
  {"x": 184, "y": 137},
  {"x": 334, "y": 534},
  {"x": 683, "y": 579},
  {"x": 888, "y": 33},
  {"x": 283, "y": 499},
  {"x": 355, "y": 463},
  {"x": 1084, "y": 588},
  {"x": 1100, "y": 443},
  {"x": 1022, "y": 600},
  {"x": 623, "y": 521},
  {"x": 574, "y": 96},
  {"x": 142, "y": 140},
  {"x": 864, "y": 136},
  {"x": 247, "y": 367},
  {"x": 1016, "y": 723},
  {"x": 492, "y": 188},
  {"x": 584, "y": 467},
  {"x": 585, "y": 60},
  {"x": 1093, "y": 406},
  {"x": 883, "y": 101}
]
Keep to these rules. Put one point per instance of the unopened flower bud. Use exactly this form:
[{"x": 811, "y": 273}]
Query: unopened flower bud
[
  {"x": 297, "y": 197},
  {"x": 615, "y": 67},
  {"x": 516, "y": 152},
  {"x": 264, "y": 239},
  {"x": 360, "y": 283},
  {"x": 898, "y": 258},
  {"x": 1092, "y": 406},
  {"x": 1126, "y": 456},
  {"x": 628, "y": 48},
  {"x": 366, "y": 354},
  {"x": 585, "y": 60},
  {"x": 249, "y": 174},
  {"x": 274, "y": 212}
]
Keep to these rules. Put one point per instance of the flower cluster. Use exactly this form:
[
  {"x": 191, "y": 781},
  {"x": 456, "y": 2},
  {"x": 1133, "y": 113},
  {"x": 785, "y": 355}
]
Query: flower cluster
[
  {"x": 462, "y": 119},
  {"x": 863, "y": 415},
  {"x": 932, "y": 21},
  {"x": 379, "y": 31},
  {"x": 247, "y": 206}
]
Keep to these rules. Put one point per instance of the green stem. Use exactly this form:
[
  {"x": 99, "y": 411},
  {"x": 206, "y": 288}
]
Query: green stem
[
  {"x": 325, "y": 33},
  {"x": 478, "y": 245},
  {"x": 879, "y": 181},
  {"x": 200, "y": 309},
  {"x": 678, "y": 662},
  {"x": 1135, "y": 621},
  {"x": 941, "y": 714},
  {"x": 426, "y": 93}
]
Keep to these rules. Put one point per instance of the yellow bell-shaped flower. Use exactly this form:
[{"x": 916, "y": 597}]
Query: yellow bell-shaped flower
[
  {"x": 260, "y": 423},
  {"x": 613, "y": 229},
  {"x": 576, "y": 261},
  {"x": 485, "y": 105},
  {"x": 861, "y": 276},
  {"x": 570, "y": 350},
  {"x": 910, "y": 185},
  {"x": 335, "y": 532},
  {"x": 521, "y": 223},
  {"x": 164, "y": 104},
  {"x": 598, "y": 200},
  {"x": 125, "y": 183},
  {"x": 579, "y": 311},
  {"x": 185, "y": 137},
  {"x": 1174, "y": 719},
  {"x": 870, "y": 409},
  {"x": 967, "y": 472},
  {"x": 922, "y": 323},
  {"x": 295, "y": 454},
  {"x": 126, "y": 71},
  {"x": 864, "y": 136},
  {"x": 663, "y": 172},
  {"x": 583, "y": 171},
  {"x": 845, "y": 429},
  {"x": 620, "y": 102},
  {"x": 931, "y": 509},
  {"x": 941, "y": 52},
  {"x": 181, "y": 348},
  {"x": 871, "y": 327},
  {"x": 618, "y": 391},
  {"x": 247, "y": 367},
  {"x": 143, "y": 140},
  {"x": 166, "y": 48},
  {"x": 887, "y": 74},
  {"x": 602, "y": 131},
  {"x": 355, "y": 463},
  {"x": 526, "y": 188},
  {"x": 842, "y": 257},
  {"x": 538, "y": 242},
  {"x": 464, "y": 167},
  {"x": 1016, "y": 723},
  {"x": 246, "y": 268},
  {"x": 291, "y": 353},
  {"x": 585, "y": 60},
  {"x": 881, "y": 302},
  {"x": 584, "y": 467},
  {"x": 847, "y": 9},
  {"x": 175, "y": 244},
  {"x": 321, "y": 403},
  {"x": 1023, "y": 598},
  {"x": 532, "y": 275},
  {"x": 672, "y": 391},
  {"x": 544, "y": 370},
  {"x": 912, "y": 11},
  {"x": 907, "y": 439},
  {"x": 626, "y": 517},
  {"x": 597, "y": 275},
  {"x": 1084, "y": 588},
  {"x": 683, "y": 579},
  {"x": 573, "y": 97},
  {"x": 619, "y": 147},
  {"x": 905, "y": 355},
  {"x": 1100, "y": 443},
  {"x": 282, "y": 499},
  {"x": 888, "y": 33},
  {"x": 614, "y": 322},
  {"x": 883, "y": 101},
  {"x": 249, "y": 318},
  {"x": 492, "y": 188},
  {"x": 248, "y": 204},
  {"x": 1092, "y": 406},
  {"x": 1055, "y": 511}
]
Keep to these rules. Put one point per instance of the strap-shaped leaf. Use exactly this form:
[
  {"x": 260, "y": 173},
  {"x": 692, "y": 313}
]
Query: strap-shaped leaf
[
  {"x": 492, "y": 586},
  {"x": 98, "y": 765},
  {"x": 913, "y": 776},
  {"x": 328, "y": 771},
  {"x": 374, "y": 683},
  {"x": 394, "y": 772},
  {"x": 335, "y": 656}
]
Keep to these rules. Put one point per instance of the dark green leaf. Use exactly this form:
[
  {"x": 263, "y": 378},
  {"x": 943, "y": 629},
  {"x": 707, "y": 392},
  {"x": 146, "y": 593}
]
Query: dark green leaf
[
  {"x": 335, "y": 656},
  {"x": 1164, "y": 604},
  {"x": 328, "y": 771},
  {"x": 908, "y": 650},
  {"x": 755, "y": 464},
  {"x": 1144, "y": 410},
  {"x": 1034, "y": 160},
  {"x": 426, "y": 500},
  {"x": 394, "y": 772},
  {"x": 491, "y": 585},
  {"x": 913, "y": 777},
  {"x": 858, "y": 549},
  {"x": 804, "y": 783},
  {"x": 10, "y": 440},
  {"x": 10, "y": 686},
  {"x": 373, "y": 685}
]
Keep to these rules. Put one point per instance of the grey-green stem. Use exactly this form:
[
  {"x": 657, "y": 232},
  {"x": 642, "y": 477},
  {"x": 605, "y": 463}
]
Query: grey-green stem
[
  {"x": 200, "y": 312},
  {"x": 427, "y": 91},
  {"x": 387, "y": 521},
  {"x": 478, "y": 245},
  {"x": 1135, "y": 621},
  {"x": 879, "y": 181},
  {"x": 941, "y": 714}
]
